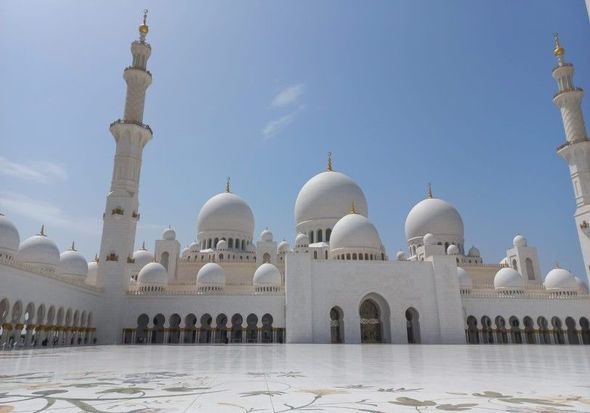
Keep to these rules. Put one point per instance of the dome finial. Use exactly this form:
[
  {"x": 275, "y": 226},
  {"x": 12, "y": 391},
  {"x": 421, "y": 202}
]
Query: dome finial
[
  {"x": 330, "y": 168},
  {"x": 144, "y": 29},
  {"x": 96, "y": 257},
  {"x": 73, "y": 247},
  {"x": 143, "y": 246},
  {"x": 429, "y": 193},
  {"x": 42, "y": 233},
  {"x": 558, "y": 51},
  {"x": 228, "y": 185},
  {"x": 557, "y": 264},
  {"x": 352, "y": 208}
]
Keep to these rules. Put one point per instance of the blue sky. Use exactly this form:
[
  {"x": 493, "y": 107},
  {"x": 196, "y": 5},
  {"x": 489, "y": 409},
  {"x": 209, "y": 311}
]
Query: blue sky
[{"x": 455, "y": 93}]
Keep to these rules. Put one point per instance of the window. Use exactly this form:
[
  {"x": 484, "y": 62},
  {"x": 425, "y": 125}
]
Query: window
[
  {"x": 320, "y": 235},
  {"x": 529, "y": 269}
]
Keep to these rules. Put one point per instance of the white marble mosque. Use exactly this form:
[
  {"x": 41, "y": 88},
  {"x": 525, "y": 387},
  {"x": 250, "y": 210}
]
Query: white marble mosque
[{"x": 335, "y": 283}]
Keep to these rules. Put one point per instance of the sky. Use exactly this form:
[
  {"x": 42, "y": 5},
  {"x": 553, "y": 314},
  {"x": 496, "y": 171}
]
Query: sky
[{"x": 457, "y": 93}]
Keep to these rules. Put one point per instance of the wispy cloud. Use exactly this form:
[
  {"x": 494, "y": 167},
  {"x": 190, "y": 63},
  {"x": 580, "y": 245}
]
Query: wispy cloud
[
  {"x": 288, "y": 96},
  {"x": 273, "y": 127},
  {"x": 46, "y": 213},
  {"x": 42, "y": 172}
]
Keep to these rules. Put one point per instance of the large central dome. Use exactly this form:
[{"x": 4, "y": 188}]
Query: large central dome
[
  {"x": 226, "y": 212},
  {"x": 328, "y": 195}
]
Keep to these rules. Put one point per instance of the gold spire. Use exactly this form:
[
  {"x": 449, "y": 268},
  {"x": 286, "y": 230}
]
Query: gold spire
[
  {"x": 557, "y": 264},
  {"x": 96, "y": 257},
  {"x": 42, "y": 233},
  {"x": 227, "y": 185},
  {"x": 558, "y": 51},
  {"x": 330, "y": 162},
  {"x": 429, "y": 193},
  {"x": 143, "y": 246},
  {"x": 73, "y": 247},
  {"x": 352, "y": 208},
  {"x": 144, "y": 28}
]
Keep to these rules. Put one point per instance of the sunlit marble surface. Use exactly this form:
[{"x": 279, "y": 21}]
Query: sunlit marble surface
[{"x": 282, "y": 378}]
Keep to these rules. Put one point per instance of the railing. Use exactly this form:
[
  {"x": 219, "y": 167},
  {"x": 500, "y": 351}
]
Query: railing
[
  {"x": 525, "y": 295},
  {"x": 131, "y": 122},
  {"x": 193, "y": 290},
  {"x": 138, "y": 68},
  {"x": 571, "y": 89}
]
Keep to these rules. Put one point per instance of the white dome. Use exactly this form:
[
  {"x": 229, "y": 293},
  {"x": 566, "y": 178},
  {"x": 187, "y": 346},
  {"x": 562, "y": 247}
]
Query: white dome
[
  {"x": 328, "y": 195},
  {"x": 504, "y": 261},
  {"x": 267, "y": 275},
  {"x": 169, "y": 234},
  {"x": 185, "y": 251},
  {"x": 283, "y": 247},
  {"x": 153, "y": 273},
  {"x": 221, "y": 245},
  {"x": 266, "y": 235},
  {"x": 401, "y": 256},
  {"x": 519, "y": 241},
  {"x": 71, "y": 262},
  {"x": 92, "y": 272},
  {"x": 582, "y": 286},
  {"x": 508, "y": 279},
  {"x": 473, "y": 252},
  {"x": 9, "y": 238},
  {"x": 465, "y": 282},
  {"x": 39, "y": 250},
  {"x": 226, "y": 212},
  {"x": 142, "y": 257},
  {"x": 435, "y": 216},
  {"x": 301, "y": 240},
  {"x": 354, "y": 231},
  {"x": 429, "y": 239},
  {"x": 453, "y": 250},
  {"x": 560, "y": 279},
  {"x": 211, "y": 274}
]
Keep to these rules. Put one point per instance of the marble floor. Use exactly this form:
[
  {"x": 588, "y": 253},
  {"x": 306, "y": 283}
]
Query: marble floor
[{"x": 284, "y": 378}]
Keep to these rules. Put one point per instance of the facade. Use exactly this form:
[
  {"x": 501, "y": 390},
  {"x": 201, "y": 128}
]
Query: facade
[{"x": 336, "y": 284}]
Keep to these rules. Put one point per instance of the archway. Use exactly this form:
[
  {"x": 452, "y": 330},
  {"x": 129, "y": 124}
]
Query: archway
[
  {"x": 190, "y": 328},
  {"x": 501, "y": 334},
  {"x": 141, "y": 332},
  {"x": 158, "y": 330},
  {"x": 487, "y": 333},
  {"x": 49, "y": 338},
  {"x": 472, "y": 333},
  {"x": 252, "y": 328},
  {"x": 205, "y": 329},
  {"x": 413, "y": 325},
  {"x": 572, "y": 333},
  {"x": 336, "y": 325},
  {"x": 529, "y": 330},
  {"x": 174, "y": 329},
  {"x": 236, "y": 328},
  {"x": 585, "y": 326},
  {"x": 372, "y": 319},
  {"x": 221, "y": 329},
  {"x": 267, "y": 328},
  {"x": 544, "y": 336},
  {"x": 558, "y": 337},
  {"x": 515, "y": 330},
  {"x": 40, "y": 327}
]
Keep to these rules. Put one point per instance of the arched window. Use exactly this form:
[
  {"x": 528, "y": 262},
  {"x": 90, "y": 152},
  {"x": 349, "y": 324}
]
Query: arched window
[
  {"x": 164, "y": 258},
  {"x": 529, "y": 269},
  {"x": 230, "y": 243},
  {"x": 328, "y": 234},
  {"x": 326, "y": 254},
  {"x": 348, "y": 256},
  {"x": 336, "y": 326},
  {"x": 266, "y": 257},
  {"x": 354, "y": 255},
  {"x": 216, "y": 241},
  {"x": 311, "y": 237},
  {"x": 320, "y": 235},
  {"x": 514, "y": 265},
  {"x": 413, "y": 325}
]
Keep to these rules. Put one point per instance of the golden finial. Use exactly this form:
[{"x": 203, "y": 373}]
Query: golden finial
[
  {"x": 227, "y": 185},
  {"x": 73, "y": 247},
  {"x": 144, "y": 29},
  {"x": 42, "y": 233},
  {"x": 330, "y": 161},
  {"x": 352, "y": 208},
  {"x": 96, "y": 257},
  {"x": 558, "y": 51},
  {"x": 429, "y": 193},
  {"x": 557, "y": 264},
  {"x": 143, "y": 246}
]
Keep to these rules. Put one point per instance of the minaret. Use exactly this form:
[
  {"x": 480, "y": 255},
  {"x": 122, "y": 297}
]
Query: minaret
[
  {"x": 121, "y": 213},
  {"x": 576, "y": 149}
]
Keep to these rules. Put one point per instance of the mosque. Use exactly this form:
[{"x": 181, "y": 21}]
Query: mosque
[{"x": 335, "y": 284}]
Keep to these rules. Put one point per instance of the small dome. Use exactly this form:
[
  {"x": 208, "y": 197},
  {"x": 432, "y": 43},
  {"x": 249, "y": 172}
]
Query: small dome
[
  {"x": 301, "y": 240},
  {"x": 560, "y": 279},
  {"x": 72, "y": 263},
  {"x": 328, "y": 195},
  {"x": 266, "y": 235},
  {"x": 473, "y": 252},
  {"x": 221, "y": 245},
  {"x": 465, "y": 282},
  {"x": 283, "y": 247},
  {"x": 401, "y": 256},
  {"x": 226, "y": 212},
  {"x": 142, "y": 257},
  {"x": 582, "y": 286},
  {"x": 211, "y": 274},
  {"x": 508, "y": 279},
  {"x": 9, "y": 237},
  {"x": 153, "y": 273},
  {"x": 39, "y": 250},
  {"x": 435, "y": 216},
  {"x": 194, "y": 246},
  {"x": 92, "y": 272},
  {"x": 519, "y": 241},
  {"x": 354, "y": 231},
  {"x": 169, "y": 234},
  {"x": 185, "y": 251},
  {"x": 453, "y": 250},
  {"x": 429, "y": 239},
  {"x": 504, "y": 262},
  {"x": 267, "y": 275}
]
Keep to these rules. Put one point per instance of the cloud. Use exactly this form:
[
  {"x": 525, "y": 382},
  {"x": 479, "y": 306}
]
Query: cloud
[
  {"x": 273, "y": 127},
  {"x": 41, "y": 172},
  {"x": 47, "y": 213},
  {"x": 288, "y": 96}
]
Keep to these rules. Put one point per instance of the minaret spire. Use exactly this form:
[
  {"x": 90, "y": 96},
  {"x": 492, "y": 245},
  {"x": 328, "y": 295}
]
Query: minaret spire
[
  {"x": 330, "y": 168},
  {"x": 429, "y": 193},
  {"x": 228, "y": 185}
]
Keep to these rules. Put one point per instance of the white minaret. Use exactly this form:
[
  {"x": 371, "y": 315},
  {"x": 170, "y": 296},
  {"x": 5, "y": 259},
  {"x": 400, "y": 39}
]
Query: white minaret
[
  {"x": 121, "y": 213},
  {"x": 576, "y": 149}
]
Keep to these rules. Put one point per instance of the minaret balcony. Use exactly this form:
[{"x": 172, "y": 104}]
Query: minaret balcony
[
  {"x": 139, "y": 69},
  {"x": 131, "y": 122},
  {"x": 573, "y": 89}
]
